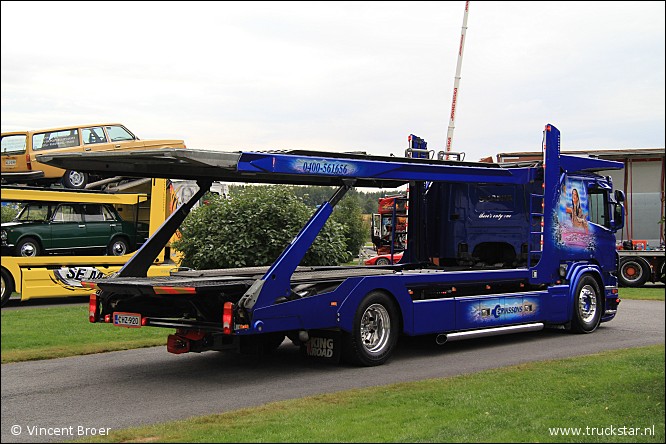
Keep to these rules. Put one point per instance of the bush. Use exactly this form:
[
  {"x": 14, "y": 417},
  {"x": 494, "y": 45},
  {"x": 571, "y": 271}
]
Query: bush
[{"x": 252, "y": 229}]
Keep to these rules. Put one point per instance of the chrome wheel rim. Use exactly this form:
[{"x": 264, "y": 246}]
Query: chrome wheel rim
[
  {"x": 3, "y": 286},
  {"x": 76, "y": 178},
  {"x": 375, "y": 328},
  {"x": 587, "y": 303},
  {"x": 118, "y": 248},
  {"x": 28, "y": 250}
]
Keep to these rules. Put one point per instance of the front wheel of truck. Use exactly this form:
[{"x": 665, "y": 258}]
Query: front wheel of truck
[
  {"x": 374, "y": 333},
  {"x": 588, "y": 306}
]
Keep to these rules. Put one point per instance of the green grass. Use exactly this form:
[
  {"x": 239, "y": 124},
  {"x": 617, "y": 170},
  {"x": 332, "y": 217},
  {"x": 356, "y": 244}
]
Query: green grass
[
  {"x": 55, "y": 332},
  {"x": 649, "y": 293},
  {"x": 622, "y": 388}
]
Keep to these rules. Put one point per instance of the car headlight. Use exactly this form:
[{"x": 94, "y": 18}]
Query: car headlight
[{"x": 3, "y": 236}]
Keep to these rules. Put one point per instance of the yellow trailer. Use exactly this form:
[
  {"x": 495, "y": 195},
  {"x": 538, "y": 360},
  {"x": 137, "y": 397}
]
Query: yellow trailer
[{"x": 61, "y": 275}]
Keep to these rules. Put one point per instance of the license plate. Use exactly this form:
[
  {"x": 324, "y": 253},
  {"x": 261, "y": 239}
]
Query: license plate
[
  {"x": 10, "y": 162},
  {"x": 131, "y": 320}
]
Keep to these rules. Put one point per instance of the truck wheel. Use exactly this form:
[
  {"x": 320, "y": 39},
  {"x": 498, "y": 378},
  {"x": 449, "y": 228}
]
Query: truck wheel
[
  {"x": 634, "y": 272},
  {"x": 118, "y": 247},
  {"x": 7, "y": 287},
  {"x": 374, "y": 332},
  {"x": 75, "y": 179},
  {"x": 662, "y": 274},
  {"x": 28, "y": 247},
  {"x": 588, "y": 306}
]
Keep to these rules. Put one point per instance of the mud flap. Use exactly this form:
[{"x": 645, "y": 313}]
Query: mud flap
[{"x": 324, "y": 345}]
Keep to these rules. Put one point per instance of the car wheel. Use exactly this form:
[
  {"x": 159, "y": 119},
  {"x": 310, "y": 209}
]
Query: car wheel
[
  {"x": 634, "y": 272},
  {"x": 118, "y": 247},
  {"x": 75, "y": 179},
  {"x": 374, "y": 332},
  {"x": 382, "y": 261},
  {"x": 28, "y": 247},
  {"x": 588, "y": 306},
  {"x": 7, "y": 287}
]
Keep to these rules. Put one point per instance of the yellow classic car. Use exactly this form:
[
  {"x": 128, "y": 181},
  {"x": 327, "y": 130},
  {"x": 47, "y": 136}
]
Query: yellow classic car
[{"x": 19, "y": 149}]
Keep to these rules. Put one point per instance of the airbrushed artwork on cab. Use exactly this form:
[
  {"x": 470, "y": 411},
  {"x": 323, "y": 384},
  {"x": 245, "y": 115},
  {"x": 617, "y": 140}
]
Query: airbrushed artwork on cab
[
  {"x": 502, "y": 310},
  {"x": 572, "y": 228}
]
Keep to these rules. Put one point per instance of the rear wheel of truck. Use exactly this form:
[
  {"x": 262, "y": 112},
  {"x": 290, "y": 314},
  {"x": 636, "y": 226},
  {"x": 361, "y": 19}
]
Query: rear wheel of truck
[
  {"x": 374, "y": 333},
  {"x": 634, "y": 272},
  {"x": 7, "y": 287},
  {"x": 588, "y": 305}
]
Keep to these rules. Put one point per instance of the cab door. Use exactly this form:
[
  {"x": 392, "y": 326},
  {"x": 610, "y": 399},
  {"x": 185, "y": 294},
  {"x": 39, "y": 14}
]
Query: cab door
[
  {"x": 67, "y": 227},
  {"x": 100, "y": 224}
]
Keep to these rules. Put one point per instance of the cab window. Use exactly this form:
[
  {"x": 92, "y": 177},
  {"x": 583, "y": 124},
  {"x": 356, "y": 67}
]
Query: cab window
[
  {"x": 118, "y": 133},
  {"x": 598, "y": 207},
  {"x": 55, "y": 139},
  {"x": 33, "y": 212},
  {"x": 67, "y": 213},
  {"x": 13, "y": 144},
  {"x": 93, "y": 213},
  {"x": 93, "y": 135},
  {"x": 108, "y": 215}
]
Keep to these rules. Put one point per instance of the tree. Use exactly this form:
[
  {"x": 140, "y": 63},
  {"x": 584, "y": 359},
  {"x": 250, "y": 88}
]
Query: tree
[
  {"x": 348, "y": 213},
  {"x": 253, "y": 228},
  {"x": 9, "y": 212}
]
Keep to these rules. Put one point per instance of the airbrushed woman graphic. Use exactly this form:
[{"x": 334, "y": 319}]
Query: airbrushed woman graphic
[{"x": 573, "y": 214}]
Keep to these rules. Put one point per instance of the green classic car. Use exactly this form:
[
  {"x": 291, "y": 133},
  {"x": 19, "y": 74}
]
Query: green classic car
[{"x": 43, "y": 228}]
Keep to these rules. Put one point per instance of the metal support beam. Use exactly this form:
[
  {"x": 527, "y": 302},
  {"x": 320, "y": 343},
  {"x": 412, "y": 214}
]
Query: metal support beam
[{"x": 141, "y": 261}]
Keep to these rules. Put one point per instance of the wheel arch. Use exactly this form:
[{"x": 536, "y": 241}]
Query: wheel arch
[
  {"x": 574, "y": 276},
  {"x": 35, "y": 236},
  {"x": 348, "y": 307}
]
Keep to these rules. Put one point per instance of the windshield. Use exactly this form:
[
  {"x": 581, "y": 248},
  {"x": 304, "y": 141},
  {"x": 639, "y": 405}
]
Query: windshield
[{"x": 33, "y": 212}]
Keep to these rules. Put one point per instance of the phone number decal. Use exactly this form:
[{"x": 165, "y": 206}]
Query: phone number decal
[{"x": 323, "y": 167}]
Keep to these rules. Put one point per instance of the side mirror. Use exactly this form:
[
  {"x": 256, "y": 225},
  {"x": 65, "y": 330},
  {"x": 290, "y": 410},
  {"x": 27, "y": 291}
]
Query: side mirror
[
  {"x": 618, "y": 215},
  {"x": 619, "y": 196}
]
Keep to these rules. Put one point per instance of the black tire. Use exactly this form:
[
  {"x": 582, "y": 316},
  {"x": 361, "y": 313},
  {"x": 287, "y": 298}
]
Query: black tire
[
  {"x": 118, "y": 246},
  {"x": 7, "y": 287},
  {"x": 588, "y": 305},
  {"x": 75, "y": 180},
  {"x": 634, "y": 272},
  {"x": 382, "y": 261},
  {"x": 374, "y": 331},
  {"x": 28, "y": 247}
]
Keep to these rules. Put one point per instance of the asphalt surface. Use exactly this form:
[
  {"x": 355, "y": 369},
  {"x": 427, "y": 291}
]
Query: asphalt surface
[{"x": 122, "y": 389}]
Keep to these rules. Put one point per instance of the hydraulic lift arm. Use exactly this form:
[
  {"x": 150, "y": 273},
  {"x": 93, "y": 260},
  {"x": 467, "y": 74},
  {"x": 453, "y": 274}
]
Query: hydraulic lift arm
[{"x": 141, "y": 261}]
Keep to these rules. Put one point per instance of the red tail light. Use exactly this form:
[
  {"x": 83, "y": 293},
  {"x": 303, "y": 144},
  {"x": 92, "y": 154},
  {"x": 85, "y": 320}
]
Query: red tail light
[
  {"x": 227, "y": 317},
  {"x": 92, "y": 308}
]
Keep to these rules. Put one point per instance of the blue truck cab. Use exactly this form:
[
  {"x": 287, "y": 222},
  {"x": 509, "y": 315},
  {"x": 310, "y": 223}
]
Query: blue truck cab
[{"x": 491, "y": 249}]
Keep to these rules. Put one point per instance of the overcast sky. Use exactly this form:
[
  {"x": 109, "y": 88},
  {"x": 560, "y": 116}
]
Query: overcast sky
[{"x": 340, "y": 76}]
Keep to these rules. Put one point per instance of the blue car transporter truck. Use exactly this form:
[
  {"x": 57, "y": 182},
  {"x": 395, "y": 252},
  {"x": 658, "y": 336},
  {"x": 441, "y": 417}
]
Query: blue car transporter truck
[{"x": 490, "y": 250}]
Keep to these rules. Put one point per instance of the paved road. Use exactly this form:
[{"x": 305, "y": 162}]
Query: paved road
[{"x": 122, "y": 389}]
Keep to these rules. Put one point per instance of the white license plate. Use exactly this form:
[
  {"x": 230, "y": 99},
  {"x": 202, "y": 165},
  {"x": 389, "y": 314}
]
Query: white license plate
[
  {"x": 10, "y": 162},
  {"x": 132, "y": 320}
]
